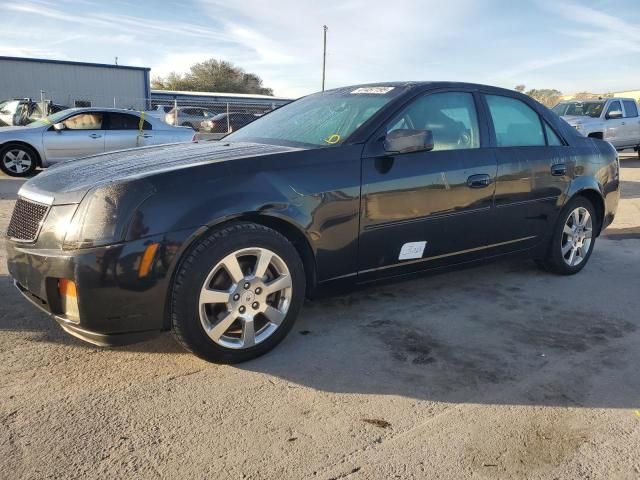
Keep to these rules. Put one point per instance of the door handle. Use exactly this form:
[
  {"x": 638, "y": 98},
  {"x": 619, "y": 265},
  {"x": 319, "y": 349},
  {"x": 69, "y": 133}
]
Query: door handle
[
  {"x": 147, "y": 135},
  {"x": 559, "y": 170},
  {"x": 622, "y": 123},
  {"x": 479, "y": 181},
  {"x": 95, "y": 135}
]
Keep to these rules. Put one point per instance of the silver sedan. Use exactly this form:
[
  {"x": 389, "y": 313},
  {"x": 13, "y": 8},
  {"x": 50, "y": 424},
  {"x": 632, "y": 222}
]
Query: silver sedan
[{"x": 80, "y": 132}]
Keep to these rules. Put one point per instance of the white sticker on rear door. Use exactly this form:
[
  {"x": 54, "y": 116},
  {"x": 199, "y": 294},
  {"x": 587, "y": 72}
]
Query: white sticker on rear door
[
  {"x": 412, "y": 250},
  {"x": 374, "y": 90}
]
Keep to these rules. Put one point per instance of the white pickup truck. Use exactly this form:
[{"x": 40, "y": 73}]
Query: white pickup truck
[{"x": 615, "y": 120}]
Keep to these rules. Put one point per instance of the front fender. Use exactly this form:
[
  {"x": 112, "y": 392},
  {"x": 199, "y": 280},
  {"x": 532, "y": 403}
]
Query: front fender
[{"x": 317, "y": 192}]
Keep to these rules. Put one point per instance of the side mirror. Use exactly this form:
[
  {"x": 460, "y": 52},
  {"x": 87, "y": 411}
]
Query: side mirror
[
  {"x": 408, "y": 140},
  {"x": 58, "y": 127},
  {"x": 614, "y": 114}
]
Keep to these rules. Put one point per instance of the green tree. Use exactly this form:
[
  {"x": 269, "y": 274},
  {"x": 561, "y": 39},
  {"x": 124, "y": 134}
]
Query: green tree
[
  {"x": 546, "y": 96},
  {"x": 213, "y": 76},
  {"x": 519, "y": 88}
]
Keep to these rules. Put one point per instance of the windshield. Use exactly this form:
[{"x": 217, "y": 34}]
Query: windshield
[
  {"x": 584, "y": 109},
  {"x": 50, "y": 120},
  {"x": 560, "y": 108},
  {"x": 321, "y": 120}
]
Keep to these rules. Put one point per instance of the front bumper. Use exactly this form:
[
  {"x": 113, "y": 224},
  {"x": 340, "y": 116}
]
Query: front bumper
[{"x": 118, "y": 303}]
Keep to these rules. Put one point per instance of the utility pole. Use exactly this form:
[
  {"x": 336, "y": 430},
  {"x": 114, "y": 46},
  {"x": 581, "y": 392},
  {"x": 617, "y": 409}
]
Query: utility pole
[{"x": 324, "y": 53}]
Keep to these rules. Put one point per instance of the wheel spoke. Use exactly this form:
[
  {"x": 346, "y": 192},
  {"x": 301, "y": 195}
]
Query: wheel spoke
[
  {"x": 262, "y": 263},
  {"x": 585, "y": 218},
  {"x": 214, "y": 296},
  {"x": 280, "y": 283},
  {"x": 576, "y": 217},
  {"x": 566, "y": 248},
  {"x": 274, "y": 315},
  {"x": 222, "y": 326},
  {"x": 11, "y": 156},
  {"x": 588, "y": 233},
  {"x": 572, "y": 256},
  {"x": 21, "y": 154},
  {"x": 568, "y": 230},
  {"x": 248, "y": 333},
  {"x": 232, "y": 267}
]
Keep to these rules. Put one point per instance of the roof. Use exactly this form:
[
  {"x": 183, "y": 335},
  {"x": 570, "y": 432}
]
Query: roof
[
  {"x": 69, "y": 62},
  {"x": 217, "y": 94}
]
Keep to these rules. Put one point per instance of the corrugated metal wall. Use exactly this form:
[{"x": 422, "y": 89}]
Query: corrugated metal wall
[{"x": 65, "y": 83}]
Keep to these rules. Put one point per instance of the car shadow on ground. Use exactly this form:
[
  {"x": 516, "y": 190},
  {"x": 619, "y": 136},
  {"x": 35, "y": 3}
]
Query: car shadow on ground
[{"x": 494, "y": 334}]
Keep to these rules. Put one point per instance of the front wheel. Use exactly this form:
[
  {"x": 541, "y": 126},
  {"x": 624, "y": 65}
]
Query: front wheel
[
  {"x": 573, "y": 239},
  {"x": 18, "y": 160},
  {"x": 237, "y": 293}
]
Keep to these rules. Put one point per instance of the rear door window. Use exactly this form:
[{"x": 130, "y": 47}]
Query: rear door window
[
  {"x": 630, "y": 109},
  {"x": 515, "y": 123},
  {"x": 124, "y": 121},
  {"x": 552, "y": 138}
]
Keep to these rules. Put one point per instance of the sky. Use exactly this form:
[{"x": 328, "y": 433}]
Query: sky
[{"x": 573, "y": 46}]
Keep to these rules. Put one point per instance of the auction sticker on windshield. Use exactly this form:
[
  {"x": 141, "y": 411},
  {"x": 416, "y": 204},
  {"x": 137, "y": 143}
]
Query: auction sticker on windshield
[{"x": 375, "y": 90}]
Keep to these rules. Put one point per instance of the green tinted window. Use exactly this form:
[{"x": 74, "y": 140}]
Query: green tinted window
[
  {"x": 552, "y": 138},
  {"x": 450, "y": 116},
  {"x": 515, "y": 123}
]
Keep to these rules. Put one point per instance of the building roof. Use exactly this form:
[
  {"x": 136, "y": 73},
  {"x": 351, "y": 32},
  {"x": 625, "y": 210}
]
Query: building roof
[
  {"x": 69, "y": 62},
  {"x": 218, "y": 94}
]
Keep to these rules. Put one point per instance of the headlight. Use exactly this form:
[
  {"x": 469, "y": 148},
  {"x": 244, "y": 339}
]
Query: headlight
[
  {"x": 104, "y": 214},
  {"x": 56, "y": 226}
]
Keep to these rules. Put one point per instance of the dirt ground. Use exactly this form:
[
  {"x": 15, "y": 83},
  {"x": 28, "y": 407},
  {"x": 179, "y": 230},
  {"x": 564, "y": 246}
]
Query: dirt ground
[{"x": 500, "y": 371}]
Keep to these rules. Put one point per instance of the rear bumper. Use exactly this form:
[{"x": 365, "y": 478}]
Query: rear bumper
[{"x": 117, "y": 304}]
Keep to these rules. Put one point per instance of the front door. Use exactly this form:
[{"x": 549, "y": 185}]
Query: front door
[
  {"x": 424, "y": 209},
  {"x": 631, "y": 123},
  {"x": 82, "y": 136},
  {"x": 614, "y": 127}
]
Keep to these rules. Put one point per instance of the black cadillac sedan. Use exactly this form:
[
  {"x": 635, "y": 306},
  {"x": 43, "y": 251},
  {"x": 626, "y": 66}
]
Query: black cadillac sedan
[{"x": 220, "y": 242}]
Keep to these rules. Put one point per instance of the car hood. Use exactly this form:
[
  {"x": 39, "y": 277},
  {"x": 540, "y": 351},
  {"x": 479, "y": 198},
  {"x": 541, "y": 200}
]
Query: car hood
[
  {"x": 580, "y": 119},
  {"x": 68, "y": 182},
  {"x": 16, "y": 128}
]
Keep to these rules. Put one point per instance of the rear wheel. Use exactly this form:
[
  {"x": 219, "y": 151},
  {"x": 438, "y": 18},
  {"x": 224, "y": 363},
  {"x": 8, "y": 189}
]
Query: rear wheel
[
  {"x": 18, "y": 160},
  {"x": 573, "y": 239},
  {"x": 237, "y": 294}
]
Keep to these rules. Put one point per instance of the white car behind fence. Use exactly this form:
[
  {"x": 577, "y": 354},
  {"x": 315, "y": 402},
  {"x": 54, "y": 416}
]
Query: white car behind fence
[{"x": 80, "y": 132}]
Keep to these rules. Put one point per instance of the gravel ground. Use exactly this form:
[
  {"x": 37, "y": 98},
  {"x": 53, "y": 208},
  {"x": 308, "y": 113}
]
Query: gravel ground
[{"x": 500, "y": 371}]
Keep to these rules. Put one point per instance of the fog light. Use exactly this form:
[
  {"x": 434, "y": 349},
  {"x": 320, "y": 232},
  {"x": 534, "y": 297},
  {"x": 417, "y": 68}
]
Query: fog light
[{"x": 69, "y": 299}]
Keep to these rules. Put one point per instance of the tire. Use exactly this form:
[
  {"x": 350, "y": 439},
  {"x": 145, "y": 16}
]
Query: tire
[
  {"x": 559, "y": 257},
  {"x": 208, "y": 297},
  {"x": 17, "y": 160}
]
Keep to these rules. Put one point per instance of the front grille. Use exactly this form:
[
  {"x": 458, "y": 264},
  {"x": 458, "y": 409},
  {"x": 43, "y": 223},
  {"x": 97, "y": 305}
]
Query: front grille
[{"x": 26, "y": 220}]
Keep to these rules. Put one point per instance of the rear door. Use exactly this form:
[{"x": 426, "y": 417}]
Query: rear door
[
  {"x": 533, "y": 171},
  {"x": 429, "y": 208},
  {"x": 631, "y": 124},
  {"x": 82, "y": 136},
  {"x": 125, "y": 130}
]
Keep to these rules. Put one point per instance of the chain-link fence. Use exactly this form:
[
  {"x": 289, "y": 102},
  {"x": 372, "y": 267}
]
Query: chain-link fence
[{"x": 215, "y": 115}]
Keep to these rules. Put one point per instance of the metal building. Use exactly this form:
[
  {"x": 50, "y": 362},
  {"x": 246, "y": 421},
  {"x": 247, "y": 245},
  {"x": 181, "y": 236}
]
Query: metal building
[
  {"x": 246, "y": 101},
  {"x": 74, "y": 84}
]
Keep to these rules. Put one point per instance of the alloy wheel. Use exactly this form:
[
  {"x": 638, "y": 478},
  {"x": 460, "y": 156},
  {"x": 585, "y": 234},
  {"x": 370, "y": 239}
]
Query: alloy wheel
[
  {"x": 245, "y": 298},
  {"x": 17, "y": 160},
  {"x": 577, "y": 235}
]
